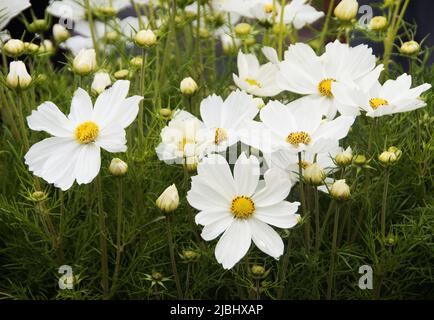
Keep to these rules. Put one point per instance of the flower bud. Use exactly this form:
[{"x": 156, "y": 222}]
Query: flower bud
[
  {"x": 243, "y": 29},
  {"x": 165, "y": 112},
  {"x": 111, "y": 36},
  {"x": 387, "y": 158},
  {"x": 359, "y": 159},
  {"x": 31, "y": 48},
  {"x": 38, "y": 26},
  {"x": 145, "y": 38},
  {"x": 378, "y": 23},
  {"x": 85, "y": 62},
  {"x": 100, "y": 82},
  {"x": 14, "y": 47},
  {"x": 278, "y": 29},
  {"x": 46, "y": 47},
  {"x": 118, "y": 167},
  {"x": 314, "y": 174},
  {"x": 189, "y": 255},
  {"x": 204, "y": 33},
  {"x": 60, "y": 33},
  {"x": 121, "y": 74},
  {"x": 168, "y": 201},
  {"x": 396, "y": 151},
  {"x": 105, "y": 11},
  {"x": 257, "y": 271},
  {"x": 18, "y": 77},
  {"x": 340, "y": 190},
  {"x": 410, "y": 48},
  {"x": 346, "y": 10},
  {"x": 157, "y": 276},
  {"x": 38, "y": 196},
  {"x": 259, "y": 103},
  {"x": 188, "y": 86},
  {"x": 136, "y": 62},
  {"x": 344, "y": 158}
]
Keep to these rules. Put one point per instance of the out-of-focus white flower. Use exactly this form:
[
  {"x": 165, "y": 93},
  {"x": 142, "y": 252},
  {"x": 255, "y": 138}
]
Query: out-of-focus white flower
[
  {"x": 241, "y": 207},
  {"x": 100, "y": 82},
  {"x": 18, "y": 77},
  {"x": 225, "y": 120},
  {"x": 73, "y": 153},
  {"x": 256, "y": 79},
  {"x": 10, "y": 9}
]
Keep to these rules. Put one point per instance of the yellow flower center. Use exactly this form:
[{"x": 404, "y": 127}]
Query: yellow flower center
[
  {"x": 378, "y": 102},
  {"x": 253, "y": 82},
  {"x": 268, "y": 8},
  {"x": 86, "y": 132},
  {"x": 325, "y": 87},
  {"x": 220, "y": 135},
  {"x": 242, "y": 207},
  {"x": 295, "y": 138}
]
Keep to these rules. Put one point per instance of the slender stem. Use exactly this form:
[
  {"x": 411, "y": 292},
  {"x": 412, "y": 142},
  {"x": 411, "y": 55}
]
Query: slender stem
[
  {"x": 172, "y": 256},
  {"x": 257, "y": 290},
  {"x": 317, "y": 227},
  {"x": 333, "y": 254},
  {"x": 198, "y": 44},
  {"x": 284, "y": 268},
  {"x": 326, "y": 24},
  {"x": 141, "y": 133},
  {"x": 92, "y": 29},
  {"x": 119, "y": 246},
  {"x": 304, "y": 212},
  {"x": 281, "y": 32},
  {"x": 384, "y": 203},
  {"x": 187, "y": 281},
  {"x": 102, "y": 240}
]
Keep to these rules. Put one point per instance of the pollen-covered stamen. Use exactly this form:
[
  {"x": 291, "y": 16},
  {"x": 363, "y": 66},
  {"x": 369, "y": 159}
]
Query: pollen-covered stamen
[
  {"x": 295, "y": 138},
  {"x": 253, "y": 82},
  {"x": 220, "y": 135},
  {"x": 325, "y": 87},
  {"x": 304, "y": 164},
  {"x": 242, "y": 207},
  {"x": 378, "y": 102},
  {"x": 86, "y": 132}
]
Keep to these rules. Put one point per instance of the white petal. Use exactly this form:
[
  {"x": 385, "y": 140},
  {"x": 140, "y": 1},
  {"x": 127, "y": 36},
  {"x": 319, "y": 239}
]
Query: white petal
[
  {"x": 276, "y": 189},
  {"x": 281, "y": 214},
  {"x": 81, "y": 107},
  {"x": 204, "y": 196},
  {"x": 211, "y": 111},
  {"x": 266, "y": 239},
  {"x": 246, "y": 174},
  {"x": 234, "y": 243},
  {"x": 213, "y": 230},
  {"x": 208, "y": 217},
  {"x": 88, "y": 163},
  {"x": 112, "y": 139},
  {"x": 47, "y": 117}
]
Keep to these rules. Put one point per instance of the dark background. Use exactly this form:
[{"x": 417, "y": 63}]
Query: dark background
[{"x": 419, "y": 12}]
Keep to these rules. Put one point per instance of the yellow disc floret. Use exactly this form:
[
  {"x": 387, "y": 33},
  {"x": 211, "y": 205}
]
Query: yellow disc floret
[
  {"x": 86, "y": 132},
  {"x": 220, "y": 135},
  {"x": 295, "y": 138},
  {"x": 325, "y": 87},
  {"x": 378, "y": 102},
  {"x": 253, "y": 82},
  {"x": 242, "y": 207}
]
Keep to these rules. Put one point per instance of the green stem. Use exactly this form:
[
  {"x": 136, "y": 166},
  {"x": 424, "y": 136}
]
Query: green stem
[
  {"x": 333, "y": 254},
  {"x": 281, "y": 32},
  {"x": 119, "y": 246},
  {"x": 102, "y": 240},
  {"x": 304, "y": 212},
  {"x": 92, "y": 29},
  {"x": 141, "y": 133},
  {"x": 317, "y": 227},
  {"x": 326, "y": 24},
  {"x": 384, "y": 203},
  {"x": 172, "y": 256}
]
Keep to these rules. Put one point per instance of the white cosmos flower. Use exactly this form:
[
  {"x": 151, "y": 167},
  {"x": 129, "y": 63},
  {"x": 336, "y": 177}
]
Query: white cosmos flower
[
  {"x": 394, "y": 96},
  {"x": 291, "y": 127},
  {"x": 225, "y": 120},
  {"x": 256, "y": 79},
  {"x": 180, "y": 139},
  {"x": 303, "y": 72},
  {"x": 100, "y": 82},
  {"x": 9, "y": 9},
  {"x": 241, "y": 207},
  {"x": 288, "y": 161},
  {"x": 73, "y": 153}
]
